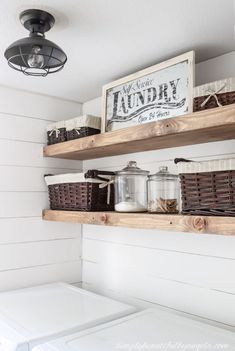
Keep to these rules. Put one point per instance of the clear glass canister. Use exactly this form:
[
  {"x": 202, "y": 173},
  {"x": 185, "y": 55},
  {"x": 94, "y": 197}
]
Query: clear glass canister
[
  {"x": 163, "y": 192},
  {"x": 131, "y": 189}
]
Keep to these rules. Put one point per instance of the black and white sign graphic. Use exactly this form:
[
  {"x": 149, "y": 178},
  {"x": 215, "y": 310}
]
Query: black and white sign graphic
[{"x": 158, "y": 95}]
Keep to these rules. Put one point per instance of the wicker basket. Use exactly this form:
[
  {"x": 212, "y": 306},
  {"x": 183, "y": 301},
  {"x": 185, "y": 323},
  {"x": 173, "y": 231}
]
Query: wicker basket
[
  {"x": 56, "y": 133},
  {"x": 215, "y": 94},
  {"x": 71, "y": 129},
  {"x": 82, "y": 126},
  {"x": 207, "y": 188},
  {"x": 72, "y": 192}
]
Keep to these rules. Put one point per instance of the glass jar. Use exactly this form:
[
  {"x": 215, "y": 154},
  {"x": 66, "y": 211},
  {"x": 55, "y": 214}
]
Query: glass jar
[
  {"x": 131, "y": 189},
  {"x": 163, "y": 192}
]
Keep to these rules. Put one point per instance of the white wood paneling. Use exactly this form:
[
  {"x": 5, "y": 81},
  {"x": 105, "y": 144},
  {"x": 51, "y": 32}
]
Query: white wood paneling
[
  {"x": 204, "y": 245},
  {"x": 183, "y": 271},
  {"x": 30, "y": 254},
  {"x": 28, "y": 178},
  {"x": 21, "y": 153},
  {"x": 22, "y": 204},
  {"x": 20, "y": 230},
  {"x": 32, "y": 251},
  {"x": 23, "y": 277},
  {"x": 207, "y": 303},
  {"x": 23, "y": 128},
  {"x": 22, "y": 103},
  {"x": 197, "y": 270}
]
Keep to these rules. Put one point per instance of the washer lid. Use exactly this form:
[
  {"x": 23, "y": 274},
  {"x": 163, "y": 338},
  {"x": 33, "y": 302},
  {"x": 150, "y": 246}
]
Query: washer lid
[
  {"x": 53, "y": 310},
  {"x": 146, "y": 330}
]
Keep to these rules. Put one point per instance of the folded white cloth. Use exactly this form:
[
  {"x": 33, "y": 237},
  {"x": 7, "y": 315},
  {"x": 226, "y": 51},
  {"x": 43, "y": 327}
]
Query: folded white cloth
[
  {"x": 83, "y": 121},
  {"x": 55, "y": 126},
  {"x": 71, "y": 178},
  {"x": 207, "y": 166}
]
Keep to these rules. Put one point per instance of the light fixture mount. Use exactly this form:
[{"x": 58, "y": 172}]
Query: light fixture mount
[
  {"x": 37, "y": 21},
  {"x": 35, "y": 55}
]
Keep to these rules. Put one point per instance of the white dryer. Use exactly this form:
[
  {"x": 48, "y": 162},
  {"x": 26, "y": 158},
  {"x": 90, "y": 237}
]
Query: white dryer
[
  {"x": 35, "y": 315},
  {"x": 148, "y": 330}
]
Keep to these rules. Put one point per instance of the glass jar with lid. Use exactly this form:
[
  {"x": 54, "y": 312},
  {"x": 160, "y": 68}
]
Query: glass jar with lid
[
  {"x": 131, "y": 189},
  {"x": 163, "y": 192}
]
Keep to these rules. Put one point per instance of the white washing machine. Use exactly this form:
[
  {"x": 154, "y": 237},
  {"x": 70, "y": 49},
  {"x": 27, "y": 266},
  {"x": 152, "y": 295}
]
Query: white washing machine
[
  {"x": 148, "y": 330},
  {"x": 32, "y": 316}
]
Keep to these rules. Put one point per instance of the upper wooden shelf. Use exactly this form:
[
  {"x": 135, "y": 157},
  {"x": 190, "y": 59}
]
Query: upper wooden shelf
[
  {"x": 195, "y": 128},
  {"x": 178, "y": 223}
]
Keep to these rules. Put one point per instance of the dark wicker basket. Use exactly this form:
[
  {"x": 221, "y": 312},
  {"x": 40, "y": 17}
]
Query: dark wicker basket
[
  {"x": 54, "y": 137},
  {"x": 208, "y": 193},
  {"x": 81, "y": 132},
  {"x": 82, "y": 196},
  {"x": 223, "y": 98}
]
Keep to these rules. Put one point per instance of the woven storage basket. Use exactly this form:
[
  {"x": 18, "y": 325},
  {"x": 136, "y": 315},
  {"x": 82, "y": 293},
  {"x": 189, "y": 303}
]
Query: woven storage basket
[
  {"x": 208, "y": 187},
  {"x": 82, "y": 126},
  {"x": 74, "y": 193},
  {"x": 56, "y": 133},
  {"x": 215, "y": 94}
]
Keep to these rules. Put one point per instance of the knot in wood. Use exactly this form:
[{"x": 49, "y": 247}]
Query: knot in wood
[
  {"x": 169, "y": 126},
  {"x": 199, "y": 223},
  {"x": 104, "y": 218}
]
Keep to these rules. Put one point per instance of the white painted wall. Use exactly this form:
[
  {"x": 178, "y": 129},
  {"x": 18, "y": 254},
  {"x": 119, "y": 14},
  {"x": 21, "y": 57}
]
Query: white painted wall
[
  {"x": 188, "y": 272},
  {"x": 32, "y": 251},
  {"x": 215, "y": 69}
]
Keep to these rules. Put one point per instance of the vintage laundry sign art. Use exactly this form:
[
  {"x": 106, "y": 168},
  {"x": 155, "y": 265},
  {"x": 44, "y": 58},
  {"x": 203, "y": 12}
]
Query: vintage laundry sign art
[{"x": 158, "y": 92}]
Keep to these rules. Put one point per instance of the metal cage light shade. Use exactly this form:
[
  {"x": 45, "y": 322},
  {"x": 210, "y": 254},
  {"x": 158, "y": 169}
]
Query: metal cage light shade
[
  {"x": 35, "y": 55},
  {"x": 52, "y": 56}
]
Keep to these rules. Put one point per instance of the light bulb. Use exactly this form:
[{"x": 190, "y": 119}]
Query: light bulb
[{"x": 34, "y": 59}]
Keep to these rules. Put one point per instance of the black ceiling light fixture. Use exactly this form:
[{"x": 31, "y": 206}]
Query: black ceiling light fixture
[{"x": 35, "y": 55}]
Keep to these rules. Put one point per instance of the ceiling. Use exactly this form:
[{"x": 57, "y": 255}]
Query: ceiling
[{"x": 107, "y": 39}]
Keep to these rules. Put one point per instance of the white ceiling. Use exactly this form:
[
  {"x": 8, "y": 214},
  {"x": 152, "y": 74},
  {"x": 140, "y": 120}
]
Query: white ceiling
[{"x": 107, "y": 39}]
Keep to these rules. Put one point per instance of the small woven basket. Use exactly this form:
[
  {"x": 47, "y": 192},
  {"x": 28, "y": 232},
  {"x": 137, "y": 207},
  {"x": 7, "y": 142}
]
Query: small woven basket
[
  {"x": 71, "y": 129},
  {"x": 207, "y": 188},
  {"x": 72, "y": 192},
  {"x": 81, "y": 132},
  {"x": 82, "y": 126},
  {"x": 215, "y": 94},
  {"x": 56, "y": 133}
]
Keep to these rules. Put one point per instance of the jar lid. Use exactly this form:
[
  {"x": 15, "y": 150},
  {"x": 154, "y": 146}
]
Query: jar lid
[
  {"x": 163, "y": 173},
  {"x": 132, "y": 168}
]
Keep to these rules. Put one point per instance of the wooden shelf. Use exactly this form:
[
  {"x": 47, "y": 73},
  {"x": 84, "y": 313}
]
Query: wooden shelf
[
  {"x": 179, "y": 223},
  {"x": 195, "y": 128}
]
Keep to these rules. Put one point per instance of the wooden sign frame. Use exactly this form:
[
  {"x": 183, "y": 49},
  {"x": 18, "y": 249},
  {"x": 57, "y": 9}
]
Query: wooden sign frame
[{"x": 188, "y": 58}]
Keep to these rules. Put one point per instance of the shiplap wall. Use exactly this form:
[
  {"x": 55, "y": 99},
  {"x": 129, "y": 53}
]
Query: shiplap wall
[
  {"x": 187, "y": 272},
  {"x": 32, "y": 251}
]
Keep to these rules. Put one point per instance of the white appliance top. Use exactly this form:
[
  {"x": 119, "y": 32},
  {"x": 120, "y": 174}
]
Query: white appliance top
[
  {"x": 147, "y": 330},
  {"x": 37, "y": 314}
]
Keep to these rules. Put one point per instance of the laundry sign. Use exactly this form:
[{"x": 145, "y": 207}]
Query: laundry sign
[{"x": 158, "y": 92}]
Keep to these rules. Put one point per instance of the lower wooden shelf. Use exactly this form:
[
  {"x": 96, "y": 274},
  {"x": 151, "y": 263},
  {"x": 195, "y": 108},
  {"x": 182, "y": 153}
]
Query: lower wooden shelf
[{"x": 178, "y": 223}]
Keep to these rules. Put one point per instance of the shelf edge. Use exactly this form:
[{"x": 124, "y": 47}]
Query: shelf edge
[{"x": 178, "y": 223}]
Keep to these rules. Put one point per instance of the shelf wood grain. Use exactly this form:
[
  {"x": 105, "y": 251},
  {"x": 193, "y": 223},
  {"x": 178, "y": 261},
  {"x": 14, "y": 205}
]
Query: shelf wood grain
[
  {"x": 178, "y": 223},
  {"x": 195, "y": 128}
]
